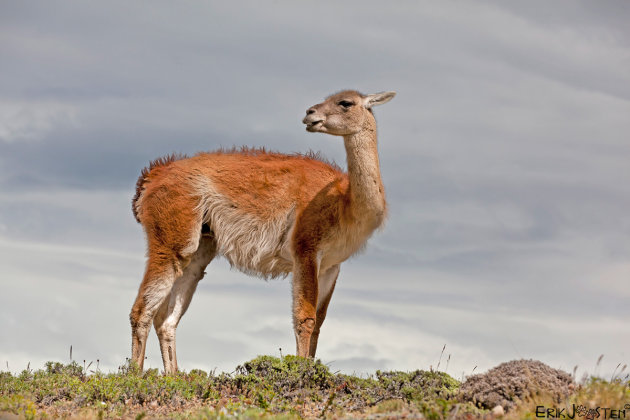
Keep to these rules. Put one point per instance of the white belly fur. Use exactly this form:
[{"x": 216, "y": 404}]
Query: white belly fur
[{"x": 254, "y": 246}]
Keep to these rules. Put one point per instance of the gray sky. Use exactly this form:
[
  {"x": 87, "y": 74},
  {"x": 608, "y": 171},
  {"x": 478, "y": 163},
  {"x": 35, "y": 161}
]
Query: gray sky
[{"x": 505, "y": 158}]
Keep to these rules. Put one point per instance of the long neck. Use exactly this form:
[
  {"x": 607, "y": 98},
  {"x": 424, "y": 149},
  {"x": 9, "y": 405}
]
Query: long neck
[{"x": 367, "y": 195}]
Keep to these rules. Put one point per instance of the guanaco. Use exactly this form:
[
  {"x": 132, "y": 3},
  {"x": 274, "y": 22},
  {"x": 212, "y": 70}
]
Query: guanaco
[{"x": 269, "y": 214}]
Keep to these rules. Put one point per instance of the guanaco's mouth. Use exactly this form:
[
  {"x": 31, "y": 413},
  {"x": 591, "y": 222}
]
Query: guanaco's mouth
[{"x": 313, "y": 126}]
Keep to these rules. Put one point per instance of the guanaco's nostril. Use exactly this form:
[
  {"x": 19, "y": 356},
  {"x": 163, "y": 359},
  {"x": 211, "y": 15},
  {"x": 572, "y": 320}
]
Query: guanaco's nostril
[{"x": 310, "y": 111}]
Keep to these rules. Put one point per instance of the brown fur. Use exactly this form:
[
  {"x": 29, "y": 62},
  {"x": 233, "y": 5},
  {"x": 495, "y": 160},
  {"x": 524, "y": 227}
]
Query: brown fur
[
  {"x": 144, "y": 175},
  {"x": 269, "y": 164}
]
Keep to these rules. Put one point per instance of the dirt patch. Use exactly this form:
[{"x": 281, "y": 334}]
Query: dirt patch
[{"x": 515, "y": 381}]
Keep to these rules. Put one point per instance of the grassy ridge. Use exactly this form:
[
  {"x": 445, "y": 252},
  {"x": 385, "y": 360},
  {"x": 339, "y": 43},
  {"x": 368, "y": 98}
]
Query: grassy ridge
[{"x": 288, "y": 387}]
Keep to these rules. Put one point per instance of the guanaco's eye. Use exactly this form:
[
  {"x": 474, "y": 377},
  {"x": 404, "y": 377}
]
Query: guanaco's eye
[{"x": 345, "y": 104}]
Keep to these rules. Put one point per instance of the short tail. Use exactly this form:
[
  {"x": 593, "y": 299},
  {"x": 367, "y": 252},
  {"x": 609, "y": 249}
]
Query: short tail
[{"x": 144, "y": 177}]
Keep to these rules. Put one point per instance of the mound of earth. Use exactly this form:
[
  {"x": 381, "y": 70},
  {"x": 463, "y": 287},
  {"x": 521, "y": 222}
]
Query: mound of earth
[{"x": 517, "y": 380}]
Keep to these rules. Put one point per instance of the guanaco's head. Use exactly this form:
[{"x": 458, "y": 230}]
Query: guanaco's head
[{"x": 344, "y": 113}]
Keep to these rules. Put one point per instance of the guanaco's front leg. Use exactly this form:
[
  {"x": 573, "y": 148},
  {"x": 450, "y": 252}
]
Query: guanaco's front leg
[
  {"x": 304, "y": 303},
  {"x": 326, "y": 286}
]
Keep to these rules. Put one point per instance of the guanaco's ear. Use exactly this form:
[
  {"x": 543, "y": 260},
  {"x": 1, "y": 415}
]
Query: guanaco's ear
[{"x": 377, "y": 99}]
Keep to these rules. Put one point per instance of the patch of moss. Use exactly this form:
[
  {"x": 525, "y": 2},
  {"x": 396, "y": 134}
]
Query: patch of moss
[
  {"x": 289, "y": 372},
  {"x": 419, "y": 385}
]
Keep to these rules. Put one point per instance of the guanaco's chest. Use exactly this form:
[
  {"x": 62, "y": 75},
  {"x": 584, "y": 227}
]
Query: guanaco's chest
[{"x": 349, "y": 239}]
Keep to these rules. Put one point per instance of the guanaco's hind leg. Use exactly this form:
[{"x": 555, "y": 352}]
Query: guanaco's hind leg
[
  {"x": 326, "y": 282},
  {"x": 174, "y": 306},
  {"x": 173, "y": 231},
  {"x": 156, "y": 285}
]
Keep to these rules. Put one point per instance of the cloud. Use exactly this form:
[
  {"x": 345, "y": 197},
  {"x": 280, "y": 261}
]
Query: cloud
[
  {"x": 21, "y": 121},
  {"x": 71, "y": 218},
  {"x": 234, "y": 317},
  {"x": 504, "y": 157}
]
